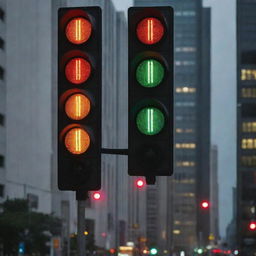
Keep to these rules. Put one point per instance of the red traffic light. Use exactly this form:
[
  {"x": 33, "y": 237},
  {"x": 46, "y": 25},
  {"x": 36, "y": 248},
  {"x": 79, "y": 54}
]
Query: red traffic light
[
  {"x": 78, "y": 70},
  {"x": 140, "y": 183},
  {"x": 96, "y": 196},
  {"x": 205, "y": 205},
  {"x": 252, "y": 226},
  {"x": 150, "y": 31}
]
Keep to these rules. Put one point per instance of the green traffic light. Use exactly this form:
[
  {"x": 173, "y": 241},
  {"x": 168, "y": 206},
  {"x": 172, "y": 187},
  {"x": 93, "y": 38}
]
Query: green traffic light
[
  {"x": 150, "y": 121},
  {"x": 150, "y": 73},
  {"x": 153, "y": 251}
]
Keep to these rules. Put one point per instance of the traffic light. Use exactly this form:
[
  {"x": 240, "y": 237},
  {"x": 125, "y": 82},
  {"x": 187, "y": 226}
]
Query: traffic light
[
  {"x": 96, "y": 196},
  {"x": 252, "y": 225},
  {"x": 140, "y": 183},
  {"x": 79, "y": 98},
  {"x": 153, "y": 251},
  {"x": 150, "y": 91},
  {"x": 205, "y": 204}
]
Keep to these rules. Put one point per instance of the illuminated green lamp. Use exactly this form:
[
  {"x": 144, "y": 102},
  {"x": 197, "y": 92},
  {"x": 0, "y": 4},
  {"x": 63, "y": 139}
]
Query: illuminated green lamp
[
  {"x": 153, "y": 251},
  {"x": 150, "y": 73},
  {"x": 150, "y": 121}
]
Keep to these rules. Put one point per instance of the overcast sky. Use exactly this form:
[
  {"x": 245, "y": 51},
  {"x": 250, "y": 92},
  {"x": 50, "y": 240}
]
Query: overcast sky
[{"x": 223, "y": 97}]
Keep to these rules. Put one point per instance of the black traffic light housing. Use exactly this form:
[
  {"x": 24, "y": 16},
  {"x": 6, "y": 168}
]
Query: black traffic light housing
[
  {"x": 151, "y": 155},
  {"x": 79, "y": 171}
]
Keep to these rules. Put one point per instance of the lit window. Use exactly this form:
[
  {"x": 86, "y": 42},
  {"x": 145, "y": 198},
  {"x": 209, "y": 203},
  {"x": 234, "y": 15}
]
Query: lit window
[
  {"x": 248, "y": 143},
  {"x": 186, "y": 145},
  {"x": 185, "y": 90},
  {"x": 186, "y": 194},
  {"x": 248, "y": 74},
  {"x": 185, "y": 49},
  {"x": 184, "y": 63},
  {"x": 249, "y": 92},
  {"x": 176, "y": 232},
  {"x": 248, "y": 161},
  {"x": 249, "y": 126},
  {"x": 185, "y": 164}
]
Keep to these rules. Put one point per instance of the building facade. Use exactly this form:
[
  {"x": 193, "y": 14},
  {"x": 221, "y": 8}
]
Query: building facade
[{"x": 246, "y": 125}]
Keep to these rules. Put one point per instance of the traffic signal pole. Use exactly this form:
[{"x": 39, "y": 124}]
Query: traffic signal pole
[{"x": 81, "y": 197}]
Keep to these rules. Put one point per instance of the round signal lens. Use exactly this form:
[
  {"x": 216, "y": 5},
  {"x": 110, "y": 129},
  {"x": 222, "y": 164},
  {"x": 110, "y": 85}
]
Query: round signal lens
[
  {"x": 97, "y": 196},
  {"x": 78, "y": 30},
  {"x": 77, "y": 106},
  {"x": 77, "y": 141},
  {"x": 150, "y": 31},
  {"x": 252, "y": 226},
  {"x": 78, "y": 70},
  {"x": 150, "y": 121},
  {"x": 150, "y": 73}
]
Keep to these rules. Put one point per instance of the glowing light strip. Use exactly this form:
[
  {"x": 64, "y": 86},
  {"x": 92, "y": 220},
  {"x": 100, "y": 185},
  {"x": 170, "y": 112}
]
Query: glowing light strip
[
  {"x": 79, "y": 32},
  {"x": 76, "y": 35},
  {"x": 148, "y": 30},
  {"x": 148, "y": 120},
  {"x": 151, "y": 120},
  {"x": 151, "y": 72},
  {"x": 151, "y": 30}
]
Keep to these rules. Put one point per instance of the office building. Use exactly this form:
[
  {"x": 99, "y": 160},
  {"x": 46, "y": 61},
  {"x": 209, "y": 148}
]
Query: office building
[{"x": 246, "y": 125}]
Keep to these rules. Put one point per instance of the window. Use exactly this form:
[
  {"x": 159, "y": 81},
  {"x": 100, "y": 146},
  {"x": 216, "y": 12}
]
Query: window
[
  {"x": 1, "y": 161},
  {"x": 1, "y": 43},
  {"x": 185, "y": 164},
  {"x": 185, "y": 63},
  {"x": 249, "y": 92},
  {"x": 248, "y": 161},
  {"x": 1, "y": 119},
  {"x": 185, "y": 145},
  {"x": 1, "y": 190},
  {"x": 180, "y": 130},
  {"x": 185, "y": 49},
  {"x": 185, "y": 90},
  {"x": 32, "y": 201},
  {"x": 249, "y": 126},
  {"x": 248, "y": 74},
  {"x": 248, "y": 143},
  {"x": 1, "y": 73},
  {"x": 1, "y": 14}
]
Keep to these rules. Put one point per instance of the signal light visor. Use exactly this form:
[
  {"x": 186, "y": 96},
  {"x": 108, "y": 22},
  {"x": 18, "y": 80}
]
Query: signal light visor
[
  {"x": 150, "y": 30},
  {"x": 150, "y": 121},
  {"x": 78, "y": 30},
  {"x": 78, "y": 70},
  {"x": 150, "y": 73},
  {"x": 77, "y": 106},
  {"x": 77, "y": 141}
]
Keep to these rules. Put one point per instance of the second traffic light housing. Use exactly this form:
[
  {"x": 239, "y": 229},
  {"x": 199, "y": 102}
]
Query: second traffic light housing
[{"x": 150, "y": 91}]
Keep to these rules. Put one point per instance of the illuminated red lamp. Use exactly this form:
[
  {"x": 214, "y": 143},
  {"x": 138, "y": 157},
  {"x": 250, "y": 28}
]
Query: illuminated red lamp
[
  {"x": 78, "y": 70},
  {"x": 112, "y": 250},
  {"x": 78, "y": 30},
  {"x": 216, "y": 251},
  {"x": 205, "y": 205},
  {"x": 252, "y": 226},
  {"x": 96, "y": 196},
  {"x": 140, "y": 183},
  {"x": 150, "y": 31}
]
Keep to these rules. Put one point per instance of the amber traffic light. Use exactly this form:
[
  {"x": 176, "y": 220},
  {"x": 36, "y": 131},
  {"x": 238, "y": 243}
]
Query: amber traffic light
[
  {"x": 150, "y": 39},
  {"x": 79, "y": 98}
]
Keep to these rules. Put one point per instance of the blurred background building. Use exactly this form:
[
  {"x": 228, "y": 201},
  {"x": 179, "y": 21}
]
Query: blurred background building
[{"x": 246, "y": 125}]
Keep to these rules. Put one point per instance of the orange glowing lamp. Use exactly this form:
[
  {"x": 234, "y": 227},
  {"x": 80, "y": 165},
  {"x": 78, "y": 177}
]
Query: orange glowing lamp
[
  {"x": 78, "y": 30},
  {"x": 77, "y": 141},
  {"x": 77, "y": 106},
  {"x": 150, "y": 31}
]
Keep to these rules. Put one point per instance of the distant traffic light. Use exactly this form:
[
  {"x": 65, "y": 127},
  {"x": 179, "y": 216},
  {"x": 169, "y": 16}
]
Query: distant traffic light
[
  {"x": 150, "y": 91},
  {"x": 140, "y": 183},
  {"x": 96, "y": 196},
  {"x": 252, "y": 225},
  {"x": 79, "y": 98},
  {"x": 153, "y": 251},
  {"x": 205, "y": 204}
]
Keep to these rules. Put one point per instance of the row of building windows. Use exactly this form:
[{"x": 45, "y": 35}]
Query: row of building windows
[
  {"x": 248, "y": 161},
  {"x": 185, "y": 90},
  {"x": 185, "y": 13},
  {"x": 180, "y": 130},
  {"x": 248, "y": 74},
  {"x": 185, "y": 104},
  {"x": 249, "y": 127},
  {"x": 185, "y": 63},
  {"x": 248, "y": 92},
  {"x": 249, "y": 143},
  {"x": 185, "y": 49},
  {"x": 184, "y": 181},
  {"x": 185, "y": 145},
  {"x": 185, "y": 164}
]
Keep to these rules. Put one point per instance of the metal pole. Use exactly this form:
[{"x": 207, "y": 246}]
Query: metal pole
[{"x": 81, "y": 245}]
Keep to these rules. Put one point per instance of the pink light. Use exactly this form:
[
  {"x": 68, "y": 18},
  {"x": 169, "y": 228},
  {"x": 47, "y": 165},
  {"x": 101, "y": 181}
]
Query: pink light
[
  {"x": 96, "y": 196},
  {"x": 140, "y": 183}
]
